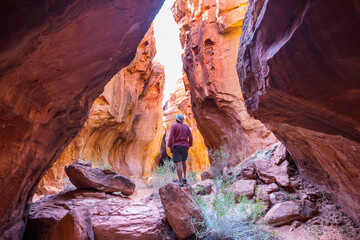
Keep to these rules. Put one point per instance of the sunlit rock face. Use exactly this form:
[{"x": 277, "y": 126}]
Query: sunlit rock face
[
  {"x": 179, "y": 103},
  {"x": 300, "y": 75},
  {"x": 55, "y": 58},
  {"x": 124, "y": 129},
  {"x": 210, "y": 34}
]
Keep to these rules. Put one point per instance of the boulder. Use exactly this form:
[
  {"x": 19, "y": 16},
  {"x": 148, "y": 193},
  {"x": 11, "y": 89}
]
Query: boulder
[
  {"x": 269, "y": 172},
  {"x": 207, "y": 174},
  {"x": 243, "y": 188},
  {"x": 286, "y": 212},
  {"x": 182, "y": 213},
  {"x": 273, "y": 187},
  {"x": 245, "y": 170},
  {"x": 76, "y": 225},
  {"x": 83, "y": 176},
  {"x": 203, "y": 187},
  {"x": 112, "y": 217}
]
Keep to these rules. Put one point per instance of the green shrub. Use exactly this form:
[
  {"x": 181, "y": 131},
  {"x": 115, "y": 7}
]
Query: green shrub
[{"x": 225, "y": 219}]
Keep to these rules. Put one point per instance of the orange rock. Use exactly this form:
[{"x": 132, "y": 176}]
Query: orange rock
[
  {"x": 179, "y": 103},
  {"x": 55, "y": 59},
  {"x": 210, "y": 33},
  {"x": 124, "y": 129}
]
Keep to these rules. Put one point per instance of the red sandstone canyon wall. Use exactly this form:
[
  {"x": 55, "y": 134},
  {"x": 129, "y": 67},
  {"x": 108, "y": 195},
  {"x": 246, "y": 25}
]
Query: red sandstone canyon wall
[
  {"x": 55, "y": 59},
  {"x": 210, "y": 34},
  {"x": 179, "y": 103},
  {"x": 301, "y": 76},
  {"x": 125, "y": 128}
]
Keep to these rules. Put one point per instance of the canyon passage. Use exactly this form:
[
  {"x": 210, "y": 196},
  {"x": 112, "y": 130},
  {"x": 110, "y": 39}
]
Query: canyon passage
[{"x": 269, "y": 88}]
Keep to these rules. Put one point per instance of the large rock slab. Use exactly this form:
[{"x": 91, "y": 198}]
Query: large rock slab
[
  {"x": 112, "y": 217},
  {"x": 299, "y": 75},
  {"x": 55, "y": 59},
  {"x": 83, "y": 176},
  {"x": 182, "y": 213},
  {"x": 286, "y": 212}
]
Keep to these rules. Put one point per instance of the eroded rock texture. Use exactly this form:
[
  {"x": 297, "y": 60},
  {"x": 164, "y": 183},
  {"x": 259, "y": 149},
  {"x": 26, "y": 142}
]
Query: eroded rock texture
[
  {"x": 179, "y": 103},
  {"x": 55, "y": 58},
  {"x": 210, "y": 33},
  {"x": 124, "y": 129},
  {"x": 299, "y": 68}
]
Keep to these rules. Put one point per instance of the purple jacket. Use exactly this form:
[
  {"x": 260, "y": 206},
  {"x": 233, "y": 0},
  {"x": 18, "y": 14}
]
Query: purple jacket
[{"x": 180, "y": 134}]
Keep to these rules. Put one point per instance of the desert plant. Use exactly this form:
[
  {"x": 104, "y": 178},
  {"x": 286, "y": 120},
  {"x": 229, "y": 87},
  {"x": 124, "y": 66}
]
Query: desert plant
[
  {"x": 220, "y": 158},
  {"x": 163, "y": 174},
  {"x": 191, "y": 177},
  {"x": 226, "y": 219}
]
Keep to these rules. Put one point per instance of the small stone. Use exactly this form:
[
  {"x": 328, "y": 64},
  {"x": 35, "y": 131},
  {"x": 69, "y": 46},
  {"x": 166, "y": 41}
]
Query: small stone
[
  {"x": 207, "y": 174},
  {"x": 273, "y": 187}
]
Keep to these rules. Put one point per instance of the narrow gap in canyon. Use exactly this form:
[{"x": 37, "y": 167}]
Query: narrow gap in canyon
[{"x": 89, "y": 92}]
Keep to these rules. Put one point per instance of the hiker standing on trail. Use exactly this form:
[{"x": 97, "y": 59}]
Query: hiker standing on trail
[{"x": 180, "y": 140}]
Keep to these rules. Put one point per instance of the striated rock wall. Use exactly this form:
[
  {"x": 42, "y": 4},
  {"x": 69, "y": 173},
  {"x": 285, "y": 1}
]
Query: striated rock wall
[
  {"x": 210, "y": 34},
  {"x": 124, "y": 129},
  {"x": 179, "y": 103},
  {"x": 299, "y": 68},
  {"x": 55, "y": 58}
]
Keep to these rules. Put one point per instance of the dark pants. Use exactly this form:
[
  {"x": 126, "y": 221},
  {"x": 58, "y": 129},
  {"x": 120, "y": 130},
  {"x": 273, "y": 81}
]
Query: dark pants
[{"x": 180, "y": 153}]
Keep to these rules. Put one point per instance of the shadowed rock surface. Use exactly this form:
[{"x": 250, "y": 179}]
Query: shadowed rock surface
[
  {"x": 83, "y": 176},
  {"x": 112, "y": 217},
  {"x": 55, "y": 58},
  {"x": 300, "y": 76},
  {"x": 210, "y": 33}
]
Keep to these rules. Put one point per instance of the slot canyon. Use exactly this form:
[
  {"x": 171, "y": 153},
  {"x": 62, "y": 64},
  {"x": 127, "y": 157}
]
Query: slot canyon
[{"x": 269, "y": 88}]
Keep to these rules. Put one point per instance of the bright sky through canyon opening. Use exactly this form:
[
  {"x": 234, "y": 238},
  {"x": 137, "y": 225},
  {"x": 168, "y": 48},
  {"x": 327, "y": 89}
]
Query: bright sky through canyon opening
[{"x": 168, "y": 47}]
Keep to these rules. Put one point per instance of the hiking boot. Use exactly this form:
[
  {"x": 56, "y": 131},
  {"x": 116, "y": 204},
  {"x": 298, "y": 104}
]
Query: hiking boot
[
  {"x": 181, "y": 184},
  {"x": 184, "y": 180}
]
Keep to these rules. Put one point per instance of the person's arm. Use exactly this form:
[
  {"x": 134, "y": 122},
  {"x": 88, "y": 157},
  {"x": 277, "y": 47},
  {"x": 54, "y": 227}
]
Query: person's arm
[
  {"x": 190, "y": 137},
  {"x": 171, "y": 138}
]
